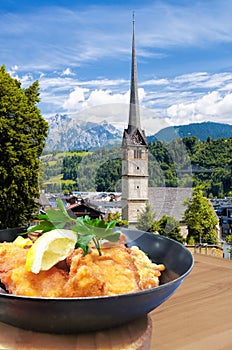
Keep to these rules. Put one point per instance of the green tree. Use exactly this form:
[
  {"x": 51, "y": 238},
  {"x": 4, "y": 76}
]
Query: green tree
[
  {"x": 190, "y": 142},
  {"x": 108, "y": 175},
  {"x": 200, "y": 218},
  {"x": 22, "y": 137},
  {"x": 229, "y": 239},
  {"x": 116, "y": 216},
  {"x": 146, "y": 219},
  {"x": 169, "y": 227}
]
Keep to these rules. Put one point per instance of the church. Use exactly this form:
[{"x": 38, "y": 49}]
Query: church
[
  {"x": 134, "y": 155},
  {"x": 134, "y": 178}
]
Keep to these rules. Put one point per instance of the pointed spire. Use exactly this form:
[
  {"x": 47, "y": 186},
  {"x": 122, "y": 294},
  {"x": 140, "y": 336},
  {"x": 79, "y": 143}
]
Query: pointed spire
[{"x": 134, "y": 115}]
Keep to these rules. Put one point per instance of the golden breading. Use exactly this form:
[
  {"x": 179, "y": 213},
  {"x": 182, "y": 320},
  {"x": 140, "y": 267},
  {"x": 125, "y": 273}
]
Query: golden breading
[
  {"x": 118, "y": 270},
  {"x": 18, "y": 281},
  {"x": 111, "y": 273},
  {"x": 149, "y": 272}
]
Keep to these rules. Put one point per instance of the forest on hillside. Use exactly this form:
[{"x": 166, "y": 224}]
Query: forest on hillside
[{"x": 185, "y": 162}]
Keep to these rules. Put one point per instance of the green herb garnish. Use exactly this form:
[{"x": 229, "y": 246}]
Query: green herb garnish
[
  {"x": 96, "y": 230},
  {"x": 87, "y": 229}
]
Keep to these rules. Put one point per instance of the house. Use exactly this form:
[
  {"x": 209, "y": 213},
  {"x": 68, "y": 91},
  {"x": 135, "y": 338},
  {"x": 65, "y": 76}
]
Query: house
[
  {"x": 83, "y": 208},
  {"x": 223, "y": 209}
]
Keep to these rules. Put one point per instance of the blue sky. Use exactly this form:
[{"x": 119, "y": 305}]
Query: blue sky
[{"x": 80, "y": 51}]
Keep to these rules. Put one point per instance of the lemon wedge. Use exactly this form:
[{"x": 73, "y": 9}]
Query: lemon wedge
[
  {"x": 22, "y": 242},
  {"x": 50, "y": 248}
]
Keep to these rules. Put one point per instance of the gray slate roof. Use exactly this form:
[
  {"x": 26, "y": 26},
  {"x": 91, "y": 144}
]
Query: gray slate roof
[
  {"x": 163, "y": 200},
  {"x": 43, "y": 200},
  {"x": 169, "y": 201}
]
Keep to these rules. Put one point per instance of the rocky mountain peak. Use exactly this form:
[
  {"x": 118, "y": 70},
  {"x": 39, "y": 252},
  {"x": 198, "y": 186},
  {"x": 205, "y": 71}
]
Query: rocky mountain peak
[{"x": 67, "y": 134}]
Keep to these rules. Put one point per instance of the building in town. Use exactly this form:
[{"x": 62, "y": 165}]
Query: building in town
[
  {"x": 223, "y": 209},
  {"x": 135, "y": 190}
]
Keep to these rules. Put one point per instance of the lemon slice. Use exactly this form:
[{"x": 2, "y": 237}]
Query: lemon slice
[{"x": 49, "y": 249}]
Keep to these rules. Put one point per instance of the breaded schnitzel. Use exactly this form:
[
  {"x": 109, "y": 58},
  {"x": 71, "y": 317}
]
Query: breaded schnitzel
[
  {"x": 118, "y": 270},
  {"x": 18, "y": 281},
  {"x": 111, "y": 273}
]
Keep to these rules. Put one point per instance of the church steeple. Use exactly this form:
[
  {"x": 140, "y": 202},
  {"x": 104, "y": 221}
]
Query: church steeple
[
  {"x": 134, "y": 114},
  {"x": 134, "y": 134},
  {"x": 134, "y": 155}
]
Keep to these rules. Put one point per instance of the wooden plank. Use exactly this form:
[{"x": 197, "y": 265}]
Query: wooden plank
[{"x": 199, "y": 315}]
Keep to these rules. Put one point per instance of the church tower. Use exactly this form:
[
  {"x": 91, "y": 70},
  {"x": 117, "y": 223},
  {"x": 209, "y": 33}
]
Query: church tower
[{"x": 134, "y": 154}]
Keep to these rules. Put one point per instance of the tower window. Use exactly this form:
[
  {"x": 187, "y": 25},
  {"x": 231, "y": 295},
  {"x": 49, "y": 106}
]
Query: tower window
[
  {"x": 137, "y": 186},
  {"x": 137, "y": 153}
]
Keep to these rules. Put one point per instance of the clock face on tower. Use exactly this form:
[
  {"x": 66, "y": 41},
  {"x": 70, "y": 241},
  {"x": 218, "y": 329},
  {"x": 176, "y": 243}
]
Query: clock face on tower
[{"x": 137, "y": 139}]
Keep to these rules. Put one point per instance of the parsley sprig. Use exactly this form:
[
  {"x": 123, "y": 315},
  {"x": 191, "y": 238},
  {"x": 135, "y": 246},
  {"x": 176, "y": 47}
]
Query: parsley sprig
[{"x": 87, "y": 229}]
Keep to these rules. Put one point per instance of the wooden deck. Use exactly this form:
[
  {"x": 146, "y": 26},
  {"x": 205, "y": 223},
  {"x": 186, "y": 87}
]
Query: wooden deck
[{"x": 199, "y": 315}]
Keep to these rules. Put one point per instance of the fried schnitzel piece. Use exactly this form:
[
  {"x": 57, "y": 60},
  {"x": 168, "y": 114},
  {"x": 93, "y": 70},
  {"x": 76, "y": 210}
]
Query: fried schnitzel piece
[
  {"x": 18, "y": 281},
  {"x": 93, "y": 275},
  {"x": 149, "y": 272},
  {"x": 118, "y": 270},
  {"x": 84, "y": 277}
]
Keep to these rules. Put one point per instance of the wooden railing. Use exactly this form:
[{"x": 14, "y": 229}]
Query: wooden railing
[{"x": 212, "y": 250}]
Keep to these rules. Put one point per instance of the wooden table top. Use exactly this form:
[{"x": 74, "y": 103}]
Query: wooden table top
[{"x": 199, "y": 315}]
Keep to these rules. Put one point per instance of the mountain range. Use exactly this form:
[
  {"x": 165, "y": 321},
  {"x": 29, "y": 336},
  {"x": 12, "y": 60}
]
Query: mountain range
[
  {"x": 65, "y": 134},
  {"x": 201, "y": 130}
]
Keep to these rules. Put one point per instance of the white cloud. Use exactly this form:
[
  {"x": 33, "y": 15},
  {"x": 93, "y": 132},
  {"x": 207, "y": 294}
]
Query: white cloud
[
  {"x": 14, "y": 68},
  {"x": 75, "y": 98},
  {"x": 225, "y": 106},
  {"x": 162, "y": 81},
  {"x": 79, "y": 99},
  {"x": 183, "y": 99},
  {"x": 13, "y": 71},
  {"x": 98, "y": 105},
  {"x": 211, "y": 107},
  {"x": 202, "y": 80},
  {"x": 67, "y": 71},
  {"x": 100, "y": 97}
]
